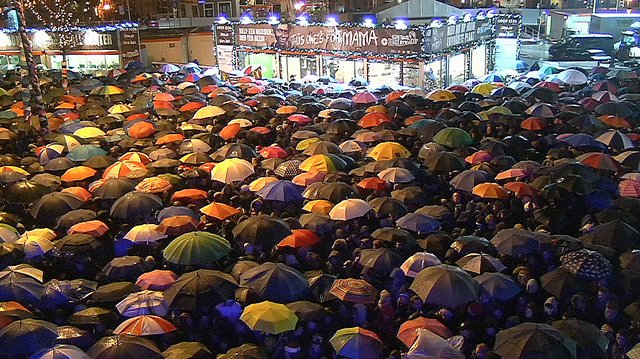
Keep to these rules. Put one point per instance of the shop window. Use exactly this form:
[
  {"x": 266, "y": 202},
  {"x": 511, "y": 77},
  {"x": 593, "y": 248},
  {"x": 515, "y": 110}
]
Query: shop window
[
  {"x": 209, "y": 10},
  {"x": 224, "y": 8},
  {"x": 411, "y": 74}
]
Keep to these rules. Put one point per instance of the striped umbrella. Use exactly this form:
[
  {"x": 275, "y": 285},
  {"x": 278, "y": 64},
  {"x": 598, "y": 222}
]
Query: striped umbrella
[
  {"x": 143, "y": 303},
  {"x": 145, "y": 325},
  {"x": 354, "y": 291}
]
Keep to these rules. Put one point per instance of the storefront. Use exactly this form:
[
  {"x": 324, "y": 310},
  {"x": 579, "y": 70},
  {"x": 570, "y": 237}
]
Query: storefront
[
  {"x": 91, "y": 51},
  {"x": 438, "y": 55}
]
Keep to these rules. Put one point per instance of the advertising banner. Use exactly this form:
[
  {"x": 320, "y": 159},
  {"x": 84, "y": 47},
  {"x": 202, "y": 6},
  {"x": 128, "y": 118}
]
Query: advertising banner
[
  {"x": 129, "y": 45},
  {"x": 508, "y": 27},
  {"x": 331, "y": 39},
  {"x": 78, "y": 40},
  {"x": 224, "y": 34}
]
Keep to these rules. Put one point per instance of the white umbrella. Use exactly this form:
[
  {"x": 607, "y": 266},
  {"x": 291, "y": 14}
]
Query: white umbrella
[
  {"x": 572, "y": 77},
  {"x": 429, "y": 344}
]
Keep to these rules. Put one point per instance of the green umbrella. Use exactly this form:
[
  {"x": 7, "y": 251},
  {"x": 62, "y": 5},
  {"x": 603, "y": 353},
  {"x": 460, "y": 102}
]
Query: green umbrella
[
  {"x": 196, "y": 249},
  {"x": 445, "y": 285},
  {"x": 591, "y": 342},
  {"x": 453, "y": 137}
]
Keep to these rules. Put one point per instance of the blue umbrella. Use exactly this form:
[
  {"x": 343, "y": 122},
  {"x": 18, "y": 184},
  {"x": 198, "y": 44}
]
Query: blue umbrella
[
  {"x": 417, "y": 222},
  {"x": 491, "y": 78},
  {"x": 134, "y": 65},
  {"x": 599, "y": 200},
  {"x": 582, "y": 140},
  {"x": 176, "y": 211},
  {"x": 84, "y": 152},
  {"x": 521, "y": 66},
  {"x": 282, "y": 191},
  {"x": 72, "y": 126},
  {"x": 168, "y": 68}
]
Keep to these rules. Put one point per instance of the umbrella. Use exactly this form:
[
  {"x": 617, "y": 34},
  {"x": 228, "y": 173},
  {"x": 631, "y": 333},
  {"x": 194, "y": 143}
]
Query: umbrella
[
  {"x": 232, "y": 170},
  {"x": 269, "y": 317},
  {"x": 281, "y": 191},
  {"x": 445, "y": 285},
  {"x": 27, "y": 336},
  {"x": 262, "y": 230},
  {"x": 300, "y": 238},
  {"x": 388, "y": 206},
  {"x": 196, "y": 249},
  {"x": 78, "y": 243},
  {"x": 586, "y": 264},
  {"x": 490, "y": 191},
  {"x": 350, "y": 209},
  {"x": 93, "y": 316},
  {"x": 515, "y": 242},
  {"x": 143, "y": 303},
  {"x": 25, "y": 192},
  {"x": 113, "y": 292},
  {"x": 528, "y": 340},
  {"x": 590, "y": 340},
  {"x": 354, "y": 291},
  {"x": 124, "y": 346},
  {"x": 143, "y": 325},
  {"x": 144, "y": 233},
  {"x": 430, "y": 345},
  {"x": 275, "y": 282},
  {"x": 499, "y": 286},
  {"x": 417, "y": 222},
  {"x": 468, "y": 179},
  {"x": 187, "y": 350},
  {"x": 195, "y": 289},
  {"x": 388, "y": 151},
  {"x": 61, "y": 351},
  {"x": 453, "y": 137},
  {"x": 615, "y": 234},
  {"x": 381, "y": 261},
  {"x": 479, "y": 263},
  {"x": 408, "y": 332},
  {"x": 135, "y": 205},
  {"x": 417, "y": 262},
  {"x": 123, "y": 268},
  {"x": 156, "y": 280},
  {"x": 357, "y": 343},
  {"x": 219, "y": 211},
  {"x": 245, "y": 351}
]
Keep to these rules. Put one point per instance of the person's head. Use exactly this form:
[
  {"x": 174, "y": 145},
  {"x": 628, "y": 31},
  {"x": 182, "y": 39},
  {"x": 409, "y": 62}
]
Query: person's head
[
  {"x": 622, "y": 338},
  {"x": 481, "y": 351},
  {"x": 281, "y": 32},
  {"x": 610, "y": 312}
]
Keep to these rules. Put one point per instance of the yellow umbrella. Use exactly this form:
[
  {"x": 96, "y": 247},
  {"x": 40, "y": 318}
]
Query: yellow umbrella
[
  {"x": 441, "y": 96},
  {"x": 89, "y": 132},
  {"x": 107, "y": 90},
  {"x": 259, "y": 183},
  {"x": 321, "y": 206},
  {"x": 269, "y": 317},
  {"x": 4, "y": 169},
  {"x": 232, "y": 170},
  {"x": 319, "y": 163},
  {"x": 484, "y": 88},
  {"x": 207, "y": 112},
  {"x": 34, "y": 247},
  {"x": 44, "y": 233},
  {"x": 120, "y": 108},
  {"x": 304, "y": 144},
  {"x": 326, "y": 113},
  {"x": 286, "y": 110},
  {"x": 243, "y": 122},
  {"x": 388, "y": 151},
  {"x": 376, "y": 108}
]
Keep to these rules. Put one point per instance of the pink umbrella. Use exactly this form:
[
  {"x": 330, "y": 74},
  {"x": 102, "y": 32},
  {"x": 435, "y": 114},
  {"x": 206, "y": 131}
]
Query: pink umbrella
[
  {"x": 365, "y": 98},
  {"x": 629, "y": 188}
]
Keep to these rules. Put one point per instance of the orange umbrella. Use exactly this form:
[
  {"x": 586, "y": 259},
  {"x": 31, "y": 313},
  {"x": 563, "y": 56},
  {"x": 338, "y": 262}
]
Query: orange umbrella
[
  {"x": 79, "y": 100},
  {"x": 208, "y": 89},
  {"x": 230, "y": 131},
  {"x": 395, "y": 95},
  {"x": 189, "y": 195},
  {"x": 177, "y": 225},
  {"x": 156, "y": 280},
  {"x": 490, "y": 191},
  {"x": 533, "y": 124},
  {"x": 162, "y": 104},
  {"x": 219, "y": 211},
  {"x": 411, "y": 119},
  {"x": 191, "y": 106},
  {"x": 511, "y": 173},
  {"x": 154, "y": 185},
  {"x": 141, "y": 129},
  {"x": 93, "y": 228},
  {"x": 66, "y": 106},
  {"x": 79, "y": 192},
  {"x": 125, "y": 169},
  {"x": 373, "y": 183},
  {"x": 299, "y": 238},
  {"x": 286, "y": 110},
  {"x": 615, "y": 121},
  {"x": 408, "y": 330},
  {"x": 172, "y": 137},
  {"x": 520, "y": 188},
  {"x": 599, "y": 161},
  {"x": 373, "y": 119},
  {"x": 136, "y": 157},
  {"x": 260, "y": 129},
  {"x": 137, "y": 116},
  {"x": 163, "y": 97},
  {"x": 306, "y": 178},
  {"x": 78, "y": 173}
]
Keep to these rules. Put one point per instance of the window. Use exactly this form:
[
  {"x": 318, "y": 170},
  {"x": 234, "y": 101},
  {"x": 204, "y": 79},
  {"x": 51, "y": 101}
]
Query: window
[
  {"x": 208, "y": 10},
  {"x": 224, "y": 8}
]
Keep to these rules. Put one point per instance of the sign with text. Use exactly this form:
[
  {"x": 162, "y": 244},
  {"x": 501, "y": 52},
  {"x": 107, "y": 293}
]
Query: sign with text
[
  {"x": 129, "y": 45},
  {"x": 508, "y": 27},
  {"x": 331, "y": 39},
  {"x": 9, "y": 42},
  {"x": 77, "y": 40},
  {"x": 449, "y": 36},
  {"x": 224, "y": 34}
]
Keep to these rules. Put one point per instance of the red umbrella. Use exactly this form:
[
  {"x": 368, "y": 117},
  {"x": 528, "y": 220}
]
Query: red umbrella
[
  {"x": 629, "y": 188},
  {"x": 479, "y": 157},
  {"x": 549, "y": 85},
  {"x": 145, "y": 325},
  {"x": 364, "y": 98},
  {"x": 191, "y": 106},
  {"x": 156, "y": 280},
  {"x": 533, "y": 124},
  {"x": 273, "y": 152},
  {"x": 599, "y": 161},
  {"x": 299, "y": 238},
  {"x": 373, "y": 183},
  {"x": 408, "y": 330},
  {"x": 373, "y": 119},
  {"x": 520, "y": 188},
  {"x": 299, "y": 118},
  {"x": 189, "y": 195}
]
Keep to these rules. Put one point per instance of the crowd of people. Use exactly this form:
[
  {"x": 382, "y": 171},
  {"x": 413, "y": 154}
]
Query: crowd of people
[{"x": 162, "y": 212}]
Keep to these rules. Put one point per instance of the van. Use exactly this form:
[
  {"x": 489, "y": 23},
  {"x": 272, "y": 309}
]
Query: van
[{"x": 577, "y": 47}]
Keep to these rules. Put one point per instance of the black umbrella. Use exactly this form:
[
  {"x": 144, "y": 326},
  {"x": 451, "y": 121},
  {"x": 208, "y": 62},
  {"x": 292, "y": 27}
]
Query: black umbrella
[
  {"x": 275, "y": 282},
  {"x": 136, "y": 206},
  {"x": 25, "y": 337},
  {"x": 124, "y": 347},
  {"x": 25, "y": 192},
  {"x": 53, "y": 205},
  {"x": 113, "y": 292},
  {"x": 203, "y": 287},
  {"x": 444, "y": 162},
  {"x": 78, "y": 243},
  {"x": 79, "y": 215},
  {"x": 123, "y": 269},
  {"x": 380, "y": 261},
  {"x": 388, "y": 206},
  {"x": 615, "y": 234},
  {"x": 261, "y": 230},
  {"x": 114, "y": 188}
]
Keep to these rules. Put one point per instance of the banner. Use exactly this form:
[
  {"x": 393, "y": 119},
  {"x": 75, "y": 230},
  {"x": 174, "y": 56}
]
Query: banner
[
  {"x": 508, "y": 26},
  {"x": 458, "y": 34},
  {"x": 129, "y": 45},
  {"x": 78, "y": 40},
  {"x": 224, "y": 55},
  {"x": 224, "y": 34},
  {"x": 9, "y": 42},
  {"x": 331, "y": 39}
]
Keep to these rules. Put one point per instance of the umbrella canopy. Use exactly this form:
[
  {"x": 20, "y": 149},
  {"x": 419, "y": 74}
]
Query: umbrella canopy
[
  {"x": 196, "y": 249},
  {"x": 201, "y": 287},
  {"x": 275, "y": 282},
  {"x": 591, "y": 343},
  {"x": 156, "y": 280},
  {"x": 144, "y": 325},
  {"x": 431, "y": 345},
  {"x": 356, "y": 343},
  {"x": 27, "y": 336},
  {"x": 261, "y": 229},
  {"x": 417, "y": 262},
  {"x": 232, "y": 170},
  {"x": 143, "y": 303},
  {"x": 586, "y": 264},
  {"x": 515, "y": 242},
  {"x": 479, "y": 263},
  {"x": 445, "y": 285},
  {"x": 499, "y": 286},
  {"x": 531, "y": 339},
  {"x": 350, "y": 209},
  {"x": 408, "y": 332},
  {"x": 354, "y": 291},
  {"x": 124, "y": 346},
  {"x": 61, "y": 351},
  {"x": 269, "y": 317}
]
